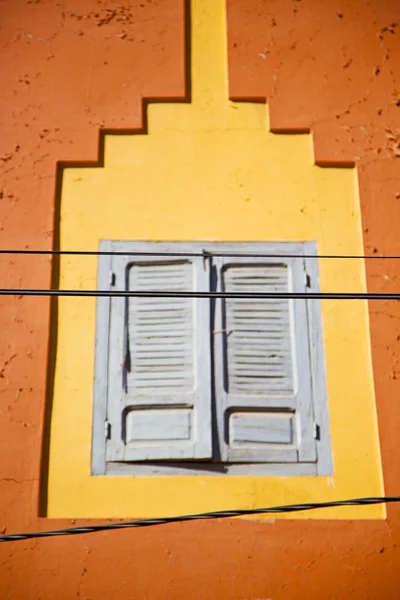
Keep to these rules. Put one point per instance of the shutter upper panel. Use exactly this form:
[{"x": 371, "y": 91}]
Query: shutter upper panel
[
  {"x": 263, "y": 376},
  {"x": 161, "y": 331},
  {"x": 162, "y": 372},
  {"x": 259, "y": 351}
]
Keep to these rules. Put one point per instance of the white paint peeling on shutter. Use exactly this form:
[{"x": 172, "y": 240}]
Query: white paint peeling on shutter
[
  {"x": 159, "y": 393},
  {"x": 262, "y": 364}
]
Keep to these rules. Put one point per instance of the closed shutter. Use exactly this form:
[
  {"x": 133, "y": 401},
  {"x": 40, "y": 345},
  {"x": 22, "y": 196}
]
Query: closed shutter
[
  {"x": 262, "y": 374},
  {"x": 159, "y": 375}
]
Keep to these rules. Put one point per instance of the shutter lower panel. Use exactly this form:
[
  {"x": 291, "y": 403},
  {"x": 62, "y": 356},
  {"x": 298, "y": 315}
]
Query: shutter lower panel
[{"x": 164, "y": 411}]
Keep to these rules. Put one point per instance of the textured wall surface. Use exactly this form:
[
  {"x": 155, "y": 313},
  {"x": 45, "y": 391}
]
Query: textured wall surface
[{"x": 71, "y": 68}]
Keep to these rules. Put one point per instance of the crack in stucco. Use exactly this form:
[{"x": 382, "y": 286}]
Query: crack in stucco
[
  {"x": 14, "y": 480},
  {"x": 83, "y": 572},
  {"x": 6, "y": 364}
]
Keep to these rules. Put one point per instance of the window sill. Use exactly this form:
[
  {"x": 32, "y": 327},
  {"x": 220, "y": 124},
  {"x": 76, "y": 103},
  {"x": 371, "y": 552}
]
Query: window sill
[{"x": 163, "y": 469}]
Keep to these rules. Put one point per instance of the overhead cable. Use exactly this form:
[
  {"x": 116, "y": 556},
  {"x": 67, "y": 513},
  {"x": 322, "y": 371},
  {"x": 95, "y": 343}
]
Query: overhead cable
[
  {"x": 221, "y": 514},
  {"x": 194, "y": 294},
  {"x": 189, "y": 254}
]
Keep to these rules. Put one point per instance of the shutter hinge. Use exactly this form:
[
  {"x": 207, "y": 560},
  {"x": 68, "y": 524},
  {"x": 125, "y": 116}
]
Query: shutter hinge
[
  {"x": 107, "y": 430},
  {"x": 317, "y": 431},
  {"x": 308, "y": 280},
  {"x": 112, "y": 279},
  {"x": 206, "y": 255}
]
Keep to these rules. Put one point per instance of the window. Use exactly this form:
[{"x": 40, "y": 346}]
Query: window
[{"x": 188, "y": 385}]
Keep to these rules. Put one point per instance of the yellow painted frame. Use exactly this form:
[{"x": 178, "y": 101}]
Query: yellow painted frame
[{"x": 211, "y": 170}]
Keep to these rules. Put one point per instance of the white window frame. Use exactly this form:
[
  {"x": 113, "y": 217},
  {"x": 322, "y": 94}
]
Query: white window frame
[{"x": 307, "y": 280}]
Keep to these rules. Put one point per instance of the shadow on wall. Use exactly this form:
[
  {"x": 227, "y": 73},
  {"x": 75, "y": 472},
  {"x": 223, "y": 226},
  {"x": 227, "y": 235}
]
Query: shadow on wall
[{"x": 55, "y": 272}]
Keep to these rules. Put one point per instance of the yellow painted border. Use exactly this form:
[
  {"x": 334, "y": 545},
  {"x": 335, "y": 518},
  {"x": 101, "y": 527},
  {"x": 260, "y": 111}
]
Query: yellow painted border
[{"x": 211, "y": 170}]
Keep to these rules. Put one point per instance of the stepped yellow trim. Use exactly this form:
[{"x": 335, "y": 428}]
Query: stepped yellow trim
[{"x": 211, "y": 170}]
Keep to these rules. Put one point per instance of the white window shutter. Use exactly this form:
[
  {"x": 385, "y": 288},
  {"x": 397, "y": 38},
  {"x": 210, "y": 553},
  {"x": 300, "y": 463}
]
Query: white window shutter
[
  {"x": 263, "y": 381},
  {"x": 159, "y": 405}
]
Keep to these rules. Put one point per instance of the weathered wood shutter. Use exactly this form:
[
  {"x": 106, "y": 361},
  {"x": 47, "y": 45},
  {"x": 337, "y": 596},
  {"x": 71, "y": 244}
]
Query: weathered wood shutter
[
  {"x": 262, "y": 364},
  {"x": 159, "y": 370}
]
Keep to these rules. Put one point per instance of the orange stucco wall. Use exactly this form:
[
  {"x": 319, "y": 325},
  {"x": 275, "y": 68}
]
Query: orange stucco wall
[{"x": 71, "y": 68}]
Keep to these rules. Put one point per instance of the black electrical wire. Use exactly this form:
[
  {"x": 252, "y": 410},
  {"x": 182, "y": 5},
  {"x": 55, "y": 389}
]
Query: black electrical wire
[
  {"x": 176, "y": 294},
  {"x": 187, "y": 254},
  {"x": 221, "y": 514}
]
